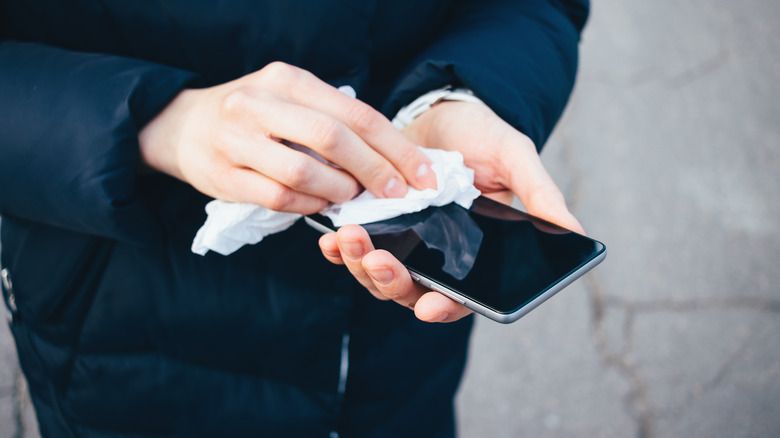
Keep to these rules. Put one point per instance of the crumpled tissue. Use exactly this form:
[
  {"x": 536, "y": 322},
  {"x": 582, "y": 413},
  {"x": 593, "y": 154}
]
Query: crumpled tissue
[{"x": 229, "y": 226}]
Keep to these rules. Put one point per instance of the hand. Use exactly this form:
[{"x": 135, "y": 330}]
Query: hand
[
  {"x": 227, "y": 142},
  {"x": 504, "y": 160},
  {"x": 505, "y": 164},
  {"x": 385, "y": 277}
]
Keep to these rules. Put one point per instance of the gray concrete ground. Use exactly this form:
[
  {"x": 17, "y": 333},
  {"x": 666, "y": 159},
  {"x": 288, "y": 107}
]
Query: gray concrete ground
[{"x": 668, "y": 153}]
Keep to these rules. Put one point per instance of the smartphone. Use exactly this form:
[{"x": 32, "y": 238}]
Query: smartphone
[{"x": 496, "y": 260}]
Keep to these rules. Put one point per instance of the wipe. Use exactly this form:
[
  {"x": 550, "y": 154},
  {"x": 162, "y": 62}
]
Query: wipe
[
  {"x": 454, "y": 183},
  {"x": 229, "y": 226}
]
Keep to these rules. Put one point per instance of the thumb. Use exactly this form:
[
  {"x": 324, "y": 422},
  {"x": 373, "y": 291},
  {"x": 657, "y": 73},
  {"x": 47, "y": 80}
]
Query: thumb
[
  {"x": 547, "y": 202},
  {"x": 541, "y": 197}
]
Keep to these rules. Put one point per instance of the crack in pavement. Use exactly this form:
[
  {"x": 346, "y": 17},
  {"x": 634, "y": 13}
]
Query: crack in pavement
[
  {"x": 692, "y": 305},
  {"x": 633, "y": 308},
  {"x": 637, "y": 400},
  {"x": 17, "y": 404},
  {"x": 698, "y": 71}
]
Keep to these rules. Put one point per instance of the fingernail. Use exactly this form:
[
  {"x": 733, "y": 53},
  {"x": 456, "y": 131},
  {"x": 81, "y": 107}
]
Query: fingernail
[
  {"x": 352, "y": 248},
  {"x": 442, "y": 317},
  {"x": 394, "y": 188},
  {"x": 426, "y": 176},
  {"x": 382, "y": 276}
]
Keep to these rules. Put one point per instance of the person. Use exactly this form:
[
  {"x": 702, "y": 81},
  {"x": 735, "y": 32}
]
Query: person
[{"x": 120, "y": 120}]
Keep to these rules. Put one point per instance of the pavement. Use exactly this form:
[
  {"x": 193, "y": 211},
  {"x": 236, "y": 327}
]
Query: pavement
[{"x": 668, "y": 153}]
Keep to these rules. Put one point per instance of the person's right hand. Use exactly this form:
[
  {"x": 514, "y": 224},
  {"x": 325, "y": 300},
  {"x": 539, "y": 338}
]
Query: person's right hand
[{"x": 226, "y": 141}]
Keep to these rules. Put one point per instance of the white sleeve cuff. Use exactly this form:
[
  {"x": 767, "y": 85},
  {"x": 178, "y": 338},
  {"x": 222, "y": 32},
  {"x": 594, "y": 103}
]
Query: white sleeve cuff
[{"x": 423, "y": 103}]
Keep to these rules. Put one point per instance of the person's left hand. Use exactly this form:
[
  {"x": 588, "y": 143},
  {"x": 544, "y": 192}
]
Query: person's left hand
[{"x": 505, "y": 163}]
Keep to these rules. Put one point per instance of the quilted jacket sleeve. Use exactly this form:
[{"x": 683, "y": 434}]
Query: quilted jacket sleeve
[
  {"x": 68, "y": 137},
  {"x": 519, "y": 57}
]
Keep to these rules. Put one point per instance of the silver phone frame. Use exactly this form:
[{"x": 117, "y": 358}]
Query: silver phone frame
[
  {"x": 503, "y": 318},
  {"x": 506, "y": 318}
]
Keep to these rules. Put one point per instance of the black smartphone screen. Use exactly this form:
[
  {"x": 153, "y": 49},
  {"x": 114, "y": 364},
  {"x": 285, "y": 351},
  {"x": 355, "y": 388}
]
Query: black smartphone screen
[{"x": 497, "y": 256}]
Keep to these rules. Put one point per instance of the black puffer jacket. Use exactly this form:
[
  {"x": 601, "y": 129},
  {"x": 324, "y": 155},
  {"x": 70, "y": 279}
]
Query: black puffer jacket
[{"x": 121, "y": 330}]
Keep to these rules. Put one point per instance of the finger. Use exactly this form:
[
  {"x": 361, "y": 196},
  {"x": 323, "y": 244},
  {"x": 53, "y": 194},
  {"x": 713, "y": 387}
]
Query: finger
[
  {"x": 245, "y": 185},
  {"x": 354, "y": 244},
  {"x": 435, "y": 307},
  {"x": 537, "y": 191},
  {"x": 339, "y": 144},
  {"x": 331, "y": 139},
  {"x": 379, "y": 133},
  {"x": 392, "y": 279},
  {"x": 547, "y": 202},
  {"x": 329, "y": 246},
  {"x": 369, "y": 124},
  {"x": 505, "y": 197},
  {"x": 295, "y": 169}
]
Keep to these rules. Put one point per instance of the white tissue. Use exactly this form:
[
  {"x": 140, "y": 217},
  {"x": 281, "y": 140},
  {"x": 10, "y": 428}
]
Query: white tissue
[
  {"x": 230, "y": 226},
  {"x": 454, "y": 182}
]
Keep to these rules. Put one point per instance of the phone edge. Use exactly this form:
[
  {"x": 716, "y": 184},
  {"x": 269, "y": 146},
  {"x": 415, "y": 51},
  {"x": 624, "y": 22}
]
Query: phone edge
[
  {"x": 507, "y": 318},
  {"x": 503, "y": 318}
]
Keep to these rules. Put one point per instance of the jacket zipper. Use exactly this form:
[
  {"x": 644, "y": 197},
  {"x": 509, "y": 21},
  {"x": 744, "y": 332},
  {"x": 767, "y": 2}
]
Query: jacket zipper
[
  {"x": 341, "y": 390},
  {"x": 344, "y": 368}
]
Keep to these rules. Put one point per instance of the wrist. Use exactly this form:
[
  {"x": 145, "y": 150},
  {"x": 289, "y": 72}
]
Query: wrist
[
  {"x": 158, "y": 140},
  {"x": 445, "y": 121},
  {"x": 422, "y": 104}
]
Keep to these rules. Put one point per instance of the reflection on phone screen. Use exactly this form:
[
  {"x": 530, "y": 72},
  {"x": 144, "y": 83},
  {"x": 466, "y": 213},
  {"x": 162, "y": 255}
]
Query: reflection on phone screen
[{"x": 498, "y": 256}]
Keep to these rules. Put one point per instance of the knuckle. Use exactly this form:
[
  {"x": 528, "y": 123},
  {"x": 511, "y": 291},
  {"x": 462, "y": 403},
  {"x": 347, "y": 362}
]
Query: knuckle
[
  {"x": 379, "y": 171},
  {"x": 236, "y": 102},
  {"x": 362, "y": 117},
  {"x": 279, "y": 72},
  {"x": 279, "y": 197},
  {"x": 410, "y": 156},
  {"x": 298, "y": 173},
  {"x": 327, "y": 134},
  {"x": 275, "y": 69}
]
